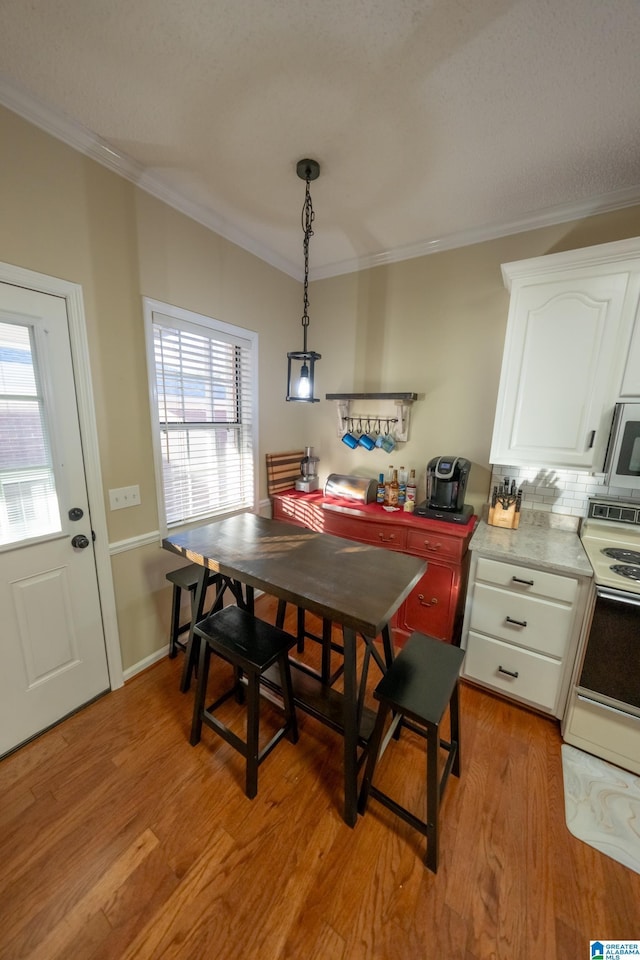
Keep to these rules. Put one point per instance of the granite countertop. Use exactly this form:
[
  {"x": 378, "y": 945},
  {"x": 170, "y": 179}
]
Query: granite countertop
[{"x": 537, "y": 541}]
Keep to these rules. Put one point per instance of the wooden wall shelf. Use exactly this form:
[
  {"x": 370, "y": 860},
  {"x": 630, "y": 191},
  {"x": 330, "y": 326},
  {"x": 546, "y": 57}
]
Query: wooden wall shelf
[
  {"x": 402, "y": 401},
  {"x": 406, "y": 397}
]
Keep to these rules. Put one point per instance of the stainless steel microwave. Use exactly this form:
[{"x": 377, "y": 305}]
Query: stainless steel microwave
[{"x": 622, "y": 464}]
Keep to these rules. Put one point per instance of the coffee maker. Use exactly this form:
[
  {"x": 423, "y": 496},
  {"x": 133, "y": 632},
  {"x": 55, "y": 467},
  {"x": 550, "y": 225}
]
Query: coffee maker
[
  {"x": 308, "y": 480},
  {"x": 446, "y": 486}
]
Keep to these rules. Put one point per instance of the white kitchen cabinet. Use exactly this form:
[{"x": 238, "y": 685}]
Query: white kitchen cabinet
[
  {"x": 568, "y": 334},
  {"x": 630, "y": 389},
  {"x": 521, "y": 631}
]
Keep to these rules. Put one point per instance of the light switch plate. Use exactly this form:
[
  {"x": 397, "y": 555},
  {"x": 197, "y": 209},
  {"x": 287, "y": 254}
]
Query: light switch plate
[{"x": 121, "y": 497}]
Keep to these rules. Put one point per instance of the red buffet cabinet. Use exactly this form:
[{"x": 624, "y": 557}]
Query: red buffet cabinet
[{"x": 435, "y": 605}]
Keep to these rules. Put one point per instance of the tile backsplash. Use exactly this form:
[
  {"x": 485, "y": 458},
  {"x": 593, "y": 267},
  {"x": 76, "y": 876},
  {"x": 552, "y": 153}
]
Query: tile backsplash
[{"x": 559, "y": 491}]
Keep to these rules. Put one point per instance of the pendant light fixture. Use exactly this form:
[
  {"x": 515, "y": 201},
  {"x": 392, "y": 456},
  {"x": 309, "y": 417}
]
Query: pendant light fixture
[{"x": 300, "y": 364}]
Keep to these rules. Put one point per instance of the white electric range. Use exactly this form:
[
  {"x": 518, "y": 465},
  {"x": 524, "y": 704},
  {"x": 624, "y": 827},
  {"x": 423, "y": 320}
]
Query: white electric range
[
  {"x": 611, "y": 538},
  {"x": 603, "y": 712}
]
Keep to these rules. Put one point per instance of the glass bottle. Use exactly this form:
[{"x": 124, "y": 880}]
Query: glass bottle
[
  {"x": 387, "y": 485},
  {"x": 411, "y": 486},
  {"x": 402, "y": 486},
  {"x": 394, "y": 490},
  {"x": 380, "y": 492}
]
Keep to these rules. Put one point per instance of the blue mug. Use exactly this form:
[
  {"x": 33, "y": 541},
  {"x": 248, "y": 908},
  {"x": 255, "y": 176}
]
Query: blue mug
[
  {"x": 367, "y": 442},
  {"x": 350, "y": 440},
  {"x": 386, "y": 442}
]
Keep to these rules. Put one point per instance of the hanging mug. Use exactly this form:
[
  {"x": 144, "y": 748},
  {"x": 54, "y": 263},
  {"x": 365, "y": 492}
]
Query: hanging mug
[
  {"x": 349, "y": 436},
  {"x": 366, "y": 440},
  {"x": 386, "y": 441}
]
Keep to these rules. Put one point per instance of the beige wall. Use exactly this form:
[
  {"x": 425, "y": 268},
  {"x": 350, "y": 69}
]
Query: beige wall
[
  {"x": 433, "y": 325},
  {"x": 67, "y": 216}
]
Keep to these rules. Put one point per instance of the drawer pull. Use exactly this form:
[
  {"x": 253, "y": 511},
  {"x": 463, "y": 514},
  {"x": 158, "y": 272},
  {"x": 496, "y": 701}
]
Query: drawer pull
[
  {"x": 518, "y": 623},
  {"x": 432, "y": 546},
  {"x": 509, "y": 673},
  {"x": 427, "y": 603},
  {"x": 384, "y": 539},
  {"x": 529, "y": 583}
]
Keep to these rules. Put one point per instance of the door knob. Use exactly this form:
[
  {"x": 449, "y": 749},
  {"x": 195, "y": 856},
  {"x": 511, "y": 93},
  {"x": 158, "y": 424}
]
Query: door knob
[{"x": 80, "y": 541}]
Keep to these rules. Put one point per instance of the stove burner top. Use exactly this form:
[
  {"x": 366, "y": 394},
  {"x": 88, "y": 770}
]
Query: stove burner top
[
  {"x": 631, "y": 573},
  {"x": 625, "y": 556}
]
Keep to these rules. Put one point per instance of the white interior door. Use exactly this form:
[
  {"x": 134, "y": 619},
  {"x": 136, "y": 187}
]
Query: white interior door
[{"x": 52, "y": 643}]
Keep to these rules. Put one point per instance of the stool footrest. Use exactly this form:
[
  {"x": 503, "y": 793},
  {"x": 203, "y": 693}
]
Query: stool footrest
[
  {"x": 400, "y": 811},
  {"x": 232, "y": 738}
]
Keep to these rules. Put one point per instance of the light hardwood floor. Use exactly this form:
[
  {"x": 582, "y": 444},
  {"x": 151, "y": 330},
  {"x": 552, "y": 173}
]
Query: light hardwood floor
[{"x": 118, "y": 840}]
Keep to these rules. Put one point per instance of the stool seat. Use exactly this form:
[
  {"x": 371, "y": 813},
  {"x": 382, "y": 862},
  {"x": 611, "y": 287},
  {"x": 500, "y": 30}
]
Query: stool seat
[
  {"x": 422, "y": 678},
  {"x": 185, "y": 578},
  {"x": 252, "y": 646},
  {"x": 421, "y": 683}
]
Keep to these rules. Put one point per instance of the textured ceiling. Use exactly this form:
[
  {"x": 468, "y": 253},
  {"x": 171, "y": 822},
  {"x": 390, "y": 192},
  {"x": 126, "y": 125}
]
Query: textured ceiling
[{"x": 435, "y": 122}]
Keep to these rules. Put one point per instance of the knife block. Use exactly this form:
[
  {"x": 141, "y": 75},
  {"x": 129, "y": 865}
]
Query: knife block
[{"x": 504, "y": 514}]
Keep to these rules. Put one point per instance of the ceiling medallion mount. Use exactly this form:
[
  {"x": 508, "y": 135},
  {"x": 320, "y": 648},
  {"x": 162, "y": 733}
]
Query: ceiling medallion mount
[
  {"x": 308, "y": 169},
  {"x": 303, "y": 375}
]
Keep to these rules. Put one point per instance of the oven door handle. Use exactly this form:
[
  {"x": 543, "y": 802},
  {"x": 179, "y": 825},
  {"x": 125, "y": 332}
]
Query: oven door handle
[
  {"x": 606, "y": 706},
  {"x": 619, "y": 596}
]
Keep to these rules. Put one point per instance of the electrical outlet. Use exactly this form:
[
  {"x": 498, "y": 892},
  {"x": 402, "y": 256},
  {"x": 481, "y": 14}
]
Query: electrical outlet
[{"x": 122, "y": 497}]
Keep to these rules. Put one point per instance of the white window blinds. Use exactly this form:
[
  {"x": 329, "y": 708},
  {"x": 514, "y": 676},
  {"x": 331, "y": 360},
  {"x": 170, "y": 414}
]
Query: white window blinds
[{"x": 204, "y": 406}]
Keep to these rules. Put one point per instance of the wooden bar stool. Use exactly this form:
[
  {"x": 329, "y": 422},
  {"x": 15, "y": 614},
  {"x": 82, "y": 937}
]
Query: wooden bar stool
[
  {"x": 185, "y": 578},
  {"x": 251, "y": 646},
  {"x": 422, "y": 682},
  {"x": 325, "y": 639}
]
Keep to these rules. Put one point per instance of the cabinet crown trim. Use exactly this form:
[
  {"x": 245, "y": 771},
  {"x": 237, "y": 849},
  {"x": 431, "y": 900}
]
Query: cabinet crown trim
[{"x": 624, "y": 253}]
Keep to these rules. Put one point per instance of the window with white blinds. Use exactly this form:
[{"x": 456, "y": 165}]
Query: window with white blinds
[
  {"x": 202, "y": 387},
  {"x": 28, "y": 500}
]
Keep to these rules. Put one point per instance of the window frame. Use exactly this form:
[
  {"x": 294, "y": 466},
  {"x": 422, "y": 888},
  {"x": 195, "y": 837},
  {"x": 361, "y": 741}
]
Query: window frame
[{"x": 207, "y": 325}]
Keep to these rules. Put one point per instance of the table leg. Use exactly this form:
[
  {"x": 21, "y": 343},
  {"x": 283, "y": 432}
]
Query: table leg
[
  {"x": 350, "y": 719},
  {"x": 193, "y": 649}
]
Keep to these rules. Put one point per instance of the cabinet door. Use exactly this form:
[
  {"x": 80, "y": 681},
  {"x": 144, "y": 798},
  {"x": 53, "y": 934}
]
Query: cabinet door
[
  {"x": 431, "y": 605},
  {"x": 560, "y": 370},
  {"x": 631, "y": 380}
]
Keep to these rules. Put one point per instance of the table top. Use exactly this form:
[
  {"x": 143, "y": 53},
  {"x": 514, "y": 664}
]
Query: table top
[{"x": 355, "y": 584}]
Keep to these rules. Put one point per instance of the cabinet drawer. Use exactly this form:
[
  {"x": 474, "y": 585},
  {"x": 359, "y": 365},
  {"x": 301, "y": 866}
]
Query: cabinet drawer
[
  {"x": 527, "y": 580},
  {"x": 299, "y": 512},
  {"x": 526, "y": 621},
  {"x": 532, "y": 677},
  {"x": 427, "y": 544},
  {"x": 380, "y": 534}
]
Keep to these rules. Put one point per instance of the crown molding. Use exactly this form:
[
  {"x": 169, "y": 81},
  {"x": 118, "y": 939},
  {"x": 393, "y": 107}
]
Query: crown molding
[
  {"x": 552, "y": 216},
  {"x": 86, "y": 142}
]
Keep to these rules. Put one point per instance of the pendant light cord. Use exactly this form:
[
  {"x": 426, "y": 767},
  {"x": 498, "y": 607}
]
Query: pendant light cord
[{"x": 308, "y": 216}]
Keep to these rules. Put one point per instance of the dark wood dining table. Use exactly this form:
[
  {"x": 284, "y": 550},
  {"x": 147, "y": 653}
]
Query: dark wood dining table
[{"x": 352, "y": 584}]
